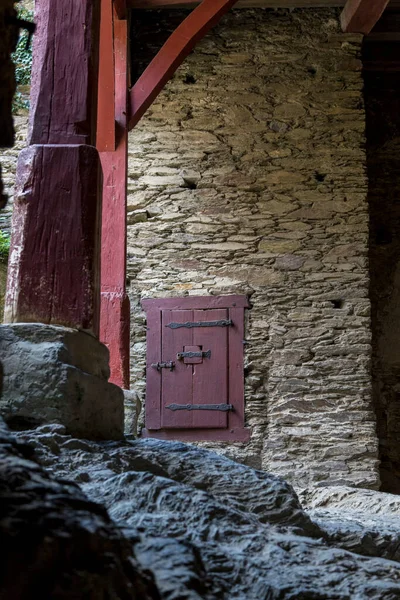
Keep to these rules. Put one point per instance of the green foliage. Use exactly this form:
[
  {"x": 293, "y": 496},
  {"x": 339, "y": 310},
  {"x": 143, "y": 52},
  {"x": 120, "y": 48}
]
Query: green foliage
[
  {"x": 4, "y": 246},
  {"x": 19, "y": 102},
  {"x": 22, "y": 58}
]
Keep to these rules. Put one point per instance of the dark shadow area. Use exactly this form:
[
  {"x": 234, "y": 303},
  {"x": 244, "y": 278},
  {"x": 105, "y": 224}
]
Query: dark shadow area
[
  {"x": 149, "y": 30},
  {"x": 381, "y": 57}
]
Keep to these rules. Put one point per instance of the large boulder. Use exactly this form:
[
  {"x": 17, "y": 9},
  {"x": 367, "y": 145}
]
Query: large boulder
[
  {"x": 56, "y": 543},
  {"x": 57, "y": 374},
  {"x": 209, "y": 528}
]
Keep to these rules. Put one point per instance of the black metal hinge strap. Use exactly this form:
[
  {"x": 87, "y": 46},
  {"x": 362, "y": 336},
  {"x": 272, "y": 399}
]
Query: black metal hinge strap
[
  {"x": 206, "y": 354},
  {"x": 220, "y": 407},
  {"x": 191, "y": 324}
]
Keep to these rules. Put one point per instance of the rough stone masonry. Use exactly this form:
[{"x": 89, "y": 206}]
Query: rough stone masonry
[{"x": 248, "y": 176}]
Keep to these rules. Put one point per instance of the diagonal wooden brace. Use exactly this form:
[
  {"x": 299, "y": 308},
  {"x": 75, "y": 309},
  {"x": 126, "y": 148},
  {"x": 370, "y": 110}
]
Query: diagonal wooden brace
[
  {"x": 360, "y": 16},
  {"x": 173, "y": 53}
]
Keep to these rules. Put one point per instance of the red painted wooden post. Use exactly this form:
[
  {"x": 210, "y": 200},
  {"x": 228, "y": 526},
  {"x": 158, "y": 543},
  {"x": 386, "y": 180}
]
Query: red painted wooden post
[
  {"x": 64, "y": 72},
  {"x": 54, "y": 259},
  {"x": 115, "y": 317},
  {"x": 105, "y": 141},
  {"x": 115, "y": 309},
  {"x": 172, "y": 54}
]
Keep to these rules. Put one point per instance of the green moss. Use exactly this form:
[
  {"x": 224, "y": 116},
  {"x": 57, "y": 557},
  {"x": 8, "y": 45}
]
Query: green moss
[
  {"x": 22, "y": 58},
  {"x": 4, "y": 246}
]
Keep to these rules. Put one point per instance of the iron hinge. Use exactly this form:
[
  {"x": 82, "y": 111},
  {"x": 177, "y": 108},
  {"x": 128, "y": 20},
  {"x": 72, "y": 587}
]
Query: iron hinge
[
  {"x": 191, "y": 324},
  {"x": 220, "y": 407}
]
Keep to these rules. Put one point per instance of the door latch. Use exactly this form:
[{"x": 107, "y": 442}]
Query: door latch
[
  {"x": 164, "y": 365},
  {"x": 204, "y": 354}
]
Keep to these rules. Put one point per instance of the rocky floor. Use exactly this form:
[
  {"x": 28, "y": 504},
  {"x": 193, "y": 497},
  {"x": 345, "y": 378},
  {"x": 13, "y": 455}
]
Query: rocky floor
[
  {"x": 208, "y": 528},
  {"x": 362, "y": 521},
  {"x": 56, "y": 544}
]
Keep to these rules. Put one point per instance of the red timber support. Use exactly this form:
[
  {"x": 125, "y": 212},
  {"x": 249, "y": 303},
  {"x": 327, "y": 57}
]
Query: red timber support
[
  {"x": 55, "y": 246},
  {"x": 113, "y": 146},
  {"x": 360, "y": 16},
  {"x": 173, "y": 53}
]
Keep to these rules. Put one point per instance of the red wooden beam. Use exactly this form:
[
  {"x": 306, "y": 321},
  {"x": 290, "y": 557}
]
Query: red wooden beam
[
  {"x": 115, "y": 310},
  {"x": 155, "y": 4},
  {"x": 360, "y": 16},
  {"x": 172, "y": 54},
  {"x": 65, "y": 67},
  {"x": 106, "y": 106},
  {"x": 54, "y": 267}
]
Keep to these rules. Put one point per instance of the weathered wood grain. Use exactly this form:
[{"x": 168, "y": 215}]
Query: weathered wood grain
[
  {"x": 241, "y": 434},
  {"x": 197, "y": 302},
  {"x": 153, "y": 377},
  {"x": 156, "y": 4},
  {"x": 115, "y": 334},
  {"x": 105, "y": 138},
  {"x": 210, "y": 379},
  {"x": 65, "y": 68},
  {"x": 236, "y": 367},
  {"x": 177, "y": 385},
  {"x": 115, "y": 314},
  {"x": 54, "y": 270}
]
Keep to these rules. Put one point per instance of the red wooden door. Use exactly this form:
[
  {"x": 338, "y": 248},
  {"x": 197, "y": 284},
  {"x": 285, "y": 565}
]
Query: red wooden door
[
  {"x": 194, "y": 381},
  {"x": 194, "y": 374}
]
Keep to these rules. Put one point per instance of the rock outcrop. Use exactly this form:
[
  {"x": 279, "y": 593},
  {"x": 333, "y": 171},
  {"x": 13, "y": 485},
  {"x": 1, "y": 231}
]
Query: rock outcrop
[
  {"x": 362, "y": 521},
  {"x": 59, "y": 544},
  {"x": 55, "y": 374},
  {"x": 209, "y": 528}
]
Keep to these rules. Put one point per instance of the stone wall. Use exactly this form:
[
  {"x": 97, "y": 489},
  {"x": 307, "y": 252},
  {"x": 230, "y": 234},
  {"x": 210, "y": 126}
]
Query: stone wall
[
  {"x": 8, "y": 39},
  {"x": 8, "y": 162},
  {"x": 248, "y": 176},
  {"x": 8, "y": 156}
]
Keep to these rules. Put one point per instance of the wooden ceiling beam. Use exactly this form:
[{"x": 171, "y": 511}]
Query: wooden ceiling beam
[
  {"x": 156, "y": 4},
  {"x": 360, "y": 16}
]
